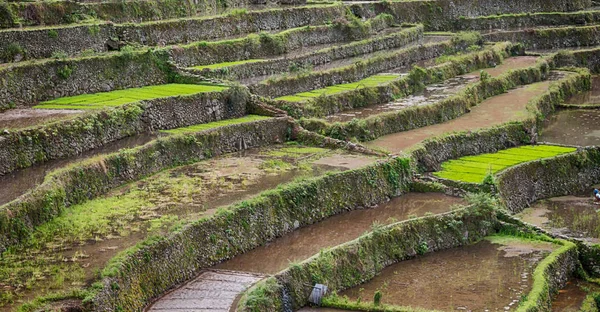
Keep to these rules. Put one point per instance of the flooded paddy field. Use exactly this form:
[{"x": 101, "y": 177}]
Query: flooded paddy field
[
  {"x": 496, "y": 110},
  {"x": 68, "y": 251},
  {"x": 573, "y": 216},
  {"x": 572, "y": 127},
  {"x": 19, "y": 182},
  {"x": 307, "y": 241},
  {"x": 491, "y": 275},
  {"x": 26, "y": 117}
]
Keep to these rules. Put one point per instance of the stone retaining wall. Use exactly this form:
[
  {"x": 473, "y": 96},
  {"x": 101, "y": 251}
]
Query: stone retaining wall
[
  {"x": 96, "y": 176},
  {"x": 24, "y": 148},
  {"x": 526, "y": 183},
  {"x": 142, "y": 273}
]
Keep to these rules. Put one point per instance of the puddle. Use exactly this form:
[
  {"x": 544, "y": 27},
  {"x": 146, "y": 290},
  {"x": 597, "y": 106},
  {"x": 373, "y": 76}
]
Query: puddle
[
  {"x": 17, "y": 183},
  {"x": 72, "y": 247},
  {"x": 589, "y": 97},
  {"x": 574, "y": 216},
  {"x": 571, "y": 297},
  {"x": 432, "y": 93},
  {"x": 307, "y": 241},
  {"x": 572, "y": 127},
  {"x": 478, "y": 277},
  {"x": 26, "y": 117},
  {"x": 494, "y": 111}
]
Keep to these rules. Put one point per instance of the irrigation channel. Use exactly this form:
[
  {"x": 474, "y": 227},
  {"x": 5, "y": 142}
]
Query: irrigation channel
[{"x": 263, "y": 156}]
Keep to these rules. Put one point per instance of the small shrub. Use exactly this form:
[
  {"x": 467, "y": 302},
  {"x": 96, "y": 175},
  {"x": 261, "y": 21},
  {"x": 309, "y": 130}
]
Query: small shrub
[
  {"x": 238, "y": 12},
  {"x": 52, "y": 33},
  {"x": 12, "y": 52},
  {"x": 64, "y": 72},
  {"x": 377, "y": 298},
  {"x": 94, "y": 30}
]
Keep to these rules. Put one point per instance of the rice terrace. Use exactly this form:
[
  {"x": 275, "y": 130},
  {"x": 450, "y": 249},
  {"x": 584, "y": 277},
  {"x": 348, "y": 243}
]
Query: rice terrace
[{"x": 299, "y": 155}]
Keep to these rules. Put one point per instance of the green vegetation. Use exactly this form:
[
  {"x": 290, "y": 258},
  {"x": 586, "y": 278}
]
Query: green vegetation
[
  {"x": 369, "y": 82},
  {"x": 226, "y": 64},
  {"x": 216, "y": 124},
  {"x": 474, "y": 169},
  {"x": 121, "y": 97}
]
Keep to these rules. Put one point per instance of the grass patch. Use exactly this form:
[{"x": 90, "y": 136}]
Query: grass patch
[
  {"x": 226, "y": 64},
  {"x": 216, "y": 124},
  {"x": 474, "y": 169},
  {"x": 121, "y": 97},
  {"x": 297, "y": 152},
  {"x": 369, "y": 82}
]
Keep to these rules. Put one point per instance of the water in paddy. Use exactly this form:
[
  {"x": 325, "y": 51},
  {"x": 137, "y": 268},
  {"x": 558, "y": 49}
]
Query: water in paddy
[
  {"x": 574, "y": 216},
  {"x": 588, "y": 97},
  {"x": 572, "y": 127},
  {"x": 483, "y": 276},
  {"x": 510, "y": 106},
  {"x": 17, "y": 183},
  {"x": 151, "y": 206},
  {"x": 571, "y": 297},
  {"x": 26, "y": 117},
  {"x": 432, "y": 93},
  {"x": 309, "y": 240}
]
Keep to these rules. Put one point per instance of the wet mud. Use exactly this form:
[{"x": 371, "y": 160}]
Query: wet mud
[
  {"x": 510, "y": 106},
  {"x": 588, "y": 97},
  {"x": 26, "y": 117},
  {"x": 572, "y": 127},
  {"x": 573, "y": 216},
  {"x": 571, "y": 297},
  {"x": 309, "y": 240},
  {"x": 432, "y": 93},
  {"x": 101, "y": 228},
  {"x": 485, "y": 276},
  {"x": 19, "y": 182}
]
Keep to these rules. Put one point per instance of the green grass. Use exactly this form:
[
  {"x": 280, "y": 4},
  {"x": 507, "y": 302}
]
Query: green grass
[
  {"x": 121, "y": 97},
  {"x": 216, "y": 124},
  {"x": 368, "y": 82},
  {"x": 475, "y": 168},
  {"x": 226, "y": 64}
]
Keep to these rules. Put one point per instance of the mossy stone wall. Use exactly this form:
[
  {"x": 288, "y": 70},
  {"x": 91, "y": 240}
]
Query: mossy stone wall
[
  {"x": 91, "y": 178},
  {"x": 523, "y": 184},
  {"x": 357, "y": 261},
  {"x": 24, "y": 148},
  {"x": 145, "y": 272}
]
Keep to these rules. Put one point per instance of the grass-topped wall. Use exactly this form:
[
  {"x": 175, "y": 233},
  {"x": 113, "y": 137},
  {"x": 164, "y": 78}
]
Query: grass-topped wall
[
  {"x": 60, "y": 139},
  {"x": 521, "y": 185},
  {"x": 32, "y": 43},
  {"x": 357, "y": 261},
  {"x": 429, "y": 154},
  {"x": 589, "y": 58},
  {"x": 442, "y": 14},
  {"x": 551, "y": 38},
  {"x": 151, "y": 268},
  {"x": 25, "y": 84},
  {"x": 240, "y": 70},
  {"x": 378, "y": 125},
  {"x": 347, "y": 27},
  {"x": 79, "y": 182},
  {"x": 525, "y": 20}
]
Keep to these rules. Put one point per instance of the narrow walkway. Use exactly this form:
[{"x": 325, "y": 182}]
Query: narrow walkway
[{"x": 213, "y": 290}]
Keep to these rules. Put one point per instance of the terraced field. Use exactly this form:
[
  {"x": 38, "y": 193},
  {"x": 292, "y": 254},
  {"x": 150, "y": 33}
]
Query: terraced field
[
  {"x": 122, "y": 97},
  {"x": 175, "y": 155},
  {"x": 475, "y": 169}
]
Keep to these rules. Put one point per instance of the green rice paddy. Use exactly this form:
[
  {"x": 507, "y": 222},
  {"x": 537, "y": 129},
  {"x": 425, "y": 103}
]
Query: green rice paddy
[
  {"x": 121, "y": 97},
  {"x": 226, "y": 64},
  {"x": 216, "y": 124},
  {"x": 372, "y": 81},
  {"x": 474, "y": 169}
]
